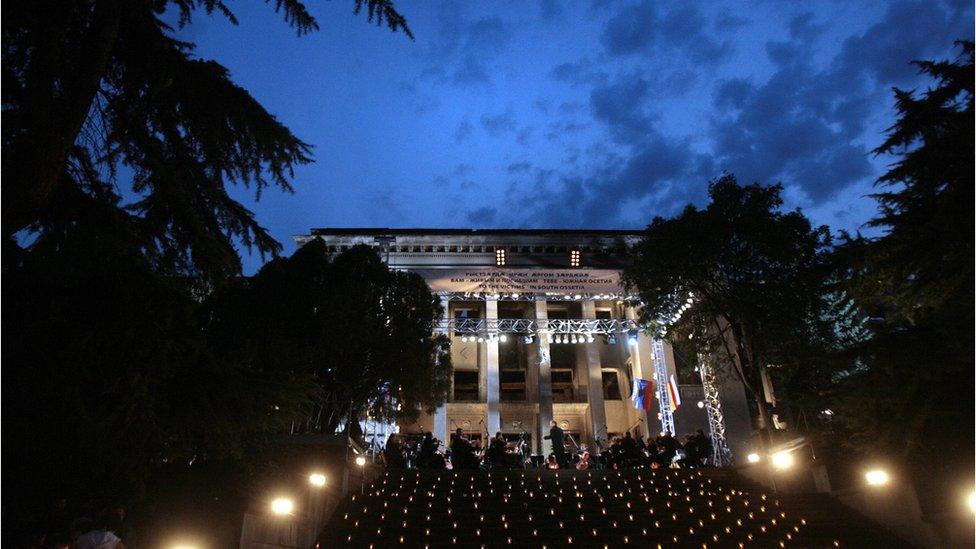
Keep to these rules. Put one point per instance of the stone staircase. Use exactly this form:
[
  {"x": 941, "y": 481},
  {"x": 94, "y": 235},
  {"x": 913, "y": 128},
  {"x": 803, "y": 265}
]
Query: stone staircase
[{"x": 699, "y": 508}]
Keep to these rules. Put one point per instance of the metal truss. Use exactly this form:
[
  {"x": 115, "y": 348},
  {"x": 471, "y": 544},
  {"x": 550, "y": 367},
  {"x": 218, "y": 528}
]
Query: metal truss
[
  {"x": 663, "y": 398},
  {"x": 544, "y": 296},
  {"x": 721, "y": 455},
  {"x": 481, "y": 326}
]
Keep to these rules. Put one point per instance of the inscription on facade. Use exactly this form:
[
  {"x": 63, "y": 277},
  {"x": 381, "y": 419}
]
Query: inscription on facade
[{"x": 489, "y": 280}]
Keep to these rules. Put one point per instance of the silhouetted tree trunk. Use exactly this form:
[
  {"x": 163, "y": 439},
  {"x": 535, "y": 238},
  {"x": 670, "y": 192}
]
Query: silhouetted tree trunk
[{"x": 57, "y": 110}]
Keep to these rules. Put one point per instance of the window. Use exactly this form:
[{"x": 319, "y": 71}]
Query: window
[
  {"x": 512, "y": 385},
  {"x": 466, "y": 385},
  {"x": 575, "y": 255},
  {"x": 500, "y": 257},
  {"x": 562, "y": 386},
  {"x": 611, "y": 386}
]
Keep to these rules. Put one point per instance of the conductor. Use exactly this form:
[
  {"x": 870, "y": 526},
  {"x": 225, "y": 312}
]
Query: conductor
[{"x": 558, "y": 447}]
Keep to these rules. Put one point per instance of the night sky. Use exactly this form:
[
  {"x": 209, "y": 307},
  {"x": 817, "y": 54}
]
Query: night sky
[{"x": 577, "y": 114}]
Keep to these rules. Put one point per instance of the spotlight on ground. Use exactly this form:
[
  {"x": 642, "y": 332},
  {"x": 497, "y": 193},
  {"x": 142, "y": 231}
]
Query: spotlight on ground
[
  {"x": 282, "y": 506},
  {"x": 782, "y": 460},
  {"x": 753, "y": 458},
  {"x": 876, "y": 477},
  {"x": 317, "y": 480}
]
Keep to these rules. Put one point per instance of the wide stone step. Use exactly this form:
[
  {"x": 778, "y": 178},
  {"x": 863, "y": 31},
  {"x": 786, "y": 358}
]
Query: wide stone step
[{"x": 697, "y": 508}]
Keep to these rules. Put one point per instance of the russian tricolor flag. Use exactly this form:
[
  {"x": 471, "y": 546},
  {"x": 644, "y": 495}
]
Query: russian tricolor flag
[{"x": 643, "y": 395}]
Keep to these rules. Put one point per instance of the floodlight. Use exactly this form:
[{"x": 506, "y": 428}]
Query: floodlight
[
  {"x": 316, "y": 479},
  {"x": 783, "y": 460},
  {"x": 876, "y": 477},
  {"x": 283, "y": 506}
]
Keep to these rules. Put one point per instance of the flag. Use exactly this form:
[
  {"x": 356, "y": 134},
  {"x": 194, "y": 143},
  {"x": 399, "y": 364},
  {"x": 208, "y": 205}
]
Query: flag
[
  {"x": 643, "y": 394},
  {"x": 673, "y": 395}
]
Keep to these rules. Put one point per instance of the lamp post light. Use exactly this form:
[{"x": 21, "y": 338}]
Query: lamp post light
[
  {"x": 317, "y": 480},
  {"x": 282, "y": 506},
  {"x": 877, "y": 477},
  {"x": 361, "y": 462}
]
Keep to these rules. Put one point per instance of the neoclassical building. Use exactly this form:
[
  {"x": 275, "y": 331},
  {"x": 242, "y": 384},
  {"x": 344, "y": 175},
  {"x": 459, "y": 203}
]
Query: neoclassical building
[{"x": 542, "y": 329}]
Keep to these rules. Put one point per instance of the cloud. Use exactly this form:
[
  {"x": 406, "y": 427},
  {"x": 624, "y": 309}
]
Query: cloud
[
  {"x": 550, "y": 11},
  {"x": 646, "y": 28},
  {"x": 499, "y": 124},
  {"x": 463, "y": 50},
  {"x": 461, "y": 169},
  {"x": 488, "y": 34},
  {"x": 804, "y": 126},
  {"x": 726, "y": 21},
  {"x": 620, "y": 106},
  {"x": 629, "y": 136},
  {"x": 482, "y": 216},
  {"x": 471, "y": 71},
  {"x": 561, "y": 128},
  {"x": 463, "y": 130},
  {"x": 579, "y": 72}
]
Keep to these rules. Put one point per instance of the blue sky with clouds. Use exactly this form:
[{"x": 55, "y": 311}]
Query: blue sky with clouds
[{"x": 577, "y": 113}]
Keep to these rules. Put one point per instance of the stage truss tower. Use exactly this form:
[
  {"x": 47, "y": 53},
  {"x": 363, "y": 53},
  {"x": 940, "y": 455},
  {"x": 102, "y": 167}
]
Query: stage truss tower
[
  {"x": 663, "y": 397},
  {"x": 721, "y": 455}
]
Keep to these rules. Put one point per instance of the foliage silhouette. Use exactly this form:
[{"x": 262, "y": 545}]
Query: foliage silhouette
[
  {"x": 758, "y": 277},
  {"x": 99, "y": 92},
  {"x": 906, "y": 392}
]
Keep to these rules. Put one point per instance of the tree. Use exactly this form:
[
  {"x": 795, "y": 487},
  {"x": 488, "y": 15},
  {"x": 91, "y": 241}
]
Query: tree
[
  {"x": 745, "y": 279},
  {"x": 907, "y": 386},
  {"x": 107, "y": 376},
  {"x": 109, "y": 368},
  {"x": 362, "y": 330},
  {"x": 94, "y": 89}
]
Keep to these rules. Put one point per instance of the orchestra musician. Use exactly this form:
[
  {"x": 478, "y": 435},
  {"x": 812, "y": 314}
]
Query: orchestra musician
[
  {"x": 497, "y": 451},
  {"x": 393, "y": 454},
  {"x": 558, "y": 446},
  {"x": 584, "y": 462},
  {"x": 462, "y": 453}
]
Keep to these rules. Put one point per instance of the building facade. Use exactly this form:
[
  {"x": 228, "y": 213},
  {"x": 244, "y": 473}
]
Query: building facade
[{"x": 541, "y": 329}]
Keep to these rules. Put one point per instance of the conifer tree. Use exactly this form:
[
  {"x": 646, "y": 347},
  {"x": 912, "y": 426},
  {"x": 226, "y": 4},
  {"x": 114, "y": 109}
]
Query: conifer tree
[{"x": 99, "y": 94}]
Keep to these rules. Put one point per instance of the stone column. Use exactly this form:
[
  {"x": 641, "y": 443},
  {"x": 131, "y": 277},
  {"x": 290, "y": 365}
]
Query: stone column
[
  {"x": 544, "y": 362},
  {"x": 492, "y": 393},
  {"x": 440, "y": 416},
  {"x": 643, "y": 368},
  {"x": 594, "y": 384}
]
